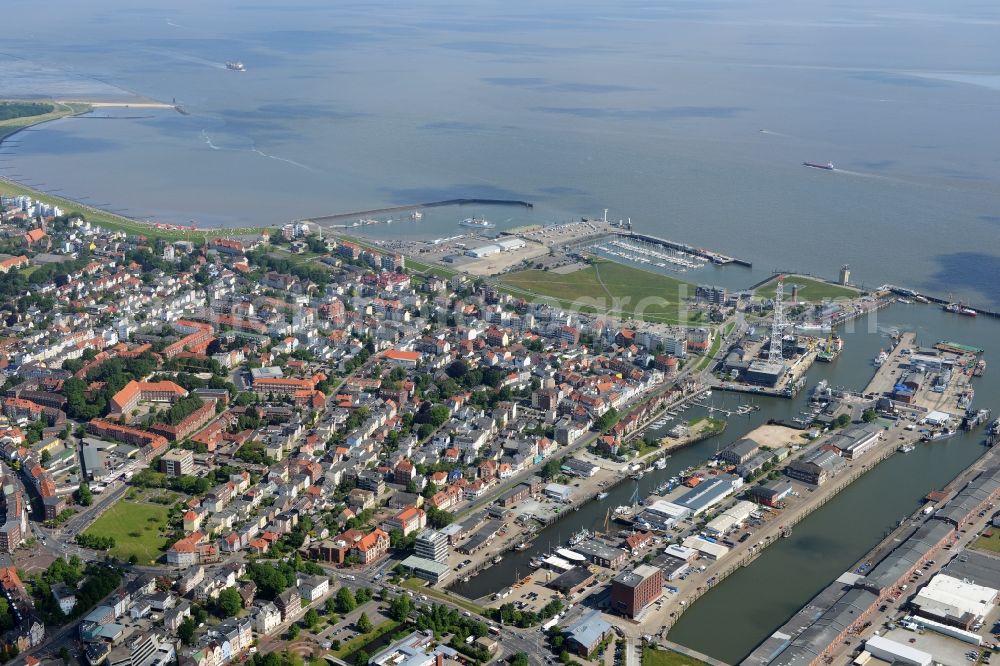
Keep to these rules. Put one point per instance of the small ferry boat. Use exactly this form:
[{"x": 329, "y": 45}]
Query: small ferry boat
[{"x": 236, "y": 66}]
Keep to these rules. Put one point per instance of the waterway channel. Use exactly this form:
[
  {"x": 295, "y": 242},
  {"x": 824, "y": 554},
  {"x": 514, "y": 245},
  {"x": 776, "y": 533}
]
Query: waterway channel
[
  {"x": 749, "y": 605},
  {"x": 731, "y": 620}
]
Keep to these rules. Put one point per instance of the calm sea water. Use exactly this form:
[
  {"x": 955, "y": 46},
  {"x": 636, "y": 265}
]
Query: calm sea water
[{"x": 690, "y": 118}]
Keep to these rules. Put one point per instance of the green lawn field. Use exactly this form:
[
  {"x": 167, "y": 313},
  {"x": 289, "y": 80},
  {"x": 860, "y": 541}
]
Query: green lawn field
[
  {"x": 651, "y": 657},
  {"x": 605, "y": 287},
  {"x": 137, "y": 528},
  {"x": 810, "y": 290}
]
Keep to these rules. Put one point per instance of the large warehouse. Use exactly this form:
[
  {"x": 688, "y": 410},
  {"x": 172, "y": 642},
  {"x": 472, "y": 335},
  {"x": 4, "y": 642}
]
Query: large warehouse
[{"x": 955, "y": 602}]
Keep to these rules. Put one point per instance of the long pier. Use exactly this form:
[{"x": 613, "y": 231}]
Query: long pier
[{"x": 336, "y": 217}]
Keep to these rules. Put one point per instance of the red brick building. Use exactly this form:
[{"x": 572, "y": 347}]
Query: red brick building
[{"x": 631, "y": 591}]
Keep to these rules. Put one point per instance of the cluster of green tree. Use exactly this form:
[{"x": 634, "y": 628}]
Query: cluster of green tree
[
  {"x": 271, "y": 578},
  {"x": 196, "y": 447},
  {"x": 360, "y": 520},
  {"x": 190, "y": 624},
  {"x": 346, "y": 600},
  {"x": 358, "y": 359},
  {"x": 197, "y": 365},
  {"x": 439, "y": 518},
  {"x": 187, "y": 484},
  {"x": 607, "y": 420},
  {"x": 557, "y": 642},
  {"x": 153, "y": 261},
  {"x": 356, "y": 418},
  {"x": 468, "y": 378},
  {"x": 286, "y": 658},
  {"x": 180, "y": 410},
  {"x": 509, "y": 614},
  {"x": 402, "y": 542},
  {"x": 310, "y": 272},
  {"x": 99, "y": 580},
  {"x": 443, "y": 620},
  {"x": 7, "y": 619},
  {"x": 431, "y": 414},
  {"x": 227, "y": 604},
  {"x": 17, "y": 288},
  {"x": 400, "y": 608},
  {"x": 61, "y": 518},
  {"x": 552, "y": 468},
  {"x": 253, "y": 453},
  {"x": 115, "y": 373},
  {"x": 94, "y": 541}
]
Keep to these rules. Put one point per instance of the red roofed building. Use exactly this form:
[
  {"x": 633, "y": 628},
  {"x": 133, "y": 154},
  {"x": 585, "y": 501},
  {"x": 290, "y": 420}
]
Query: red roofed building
[
  {"x": 18, "y": 408},
  {"x": 404, "y": 358},
  {"x": 407, "y": 521},
  {"x": 372, "y": 546},
  {"x": 186, "y": 551},
  {"x": 13, "y": 262},
  {"x": 404, "y": 472},
  {"x": 121, "y": 433},
  {"x": 135, "y": 392},
  {"x": 283, "y": 386},
  {"x": 34, "y": 236}
]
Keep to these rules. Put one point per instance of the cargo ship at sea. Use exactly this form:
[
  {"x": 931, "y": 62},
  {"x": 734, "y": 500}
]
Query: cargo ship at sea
[
  {"x": 816, "y": 165},
  {"x": 236, "y": 66}
]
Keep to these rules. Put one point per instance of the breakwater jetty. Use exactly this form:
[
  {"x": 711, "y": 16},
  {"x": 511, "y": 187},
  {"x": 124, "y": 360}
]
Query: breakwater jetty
[{"x": 337, "y": 217}]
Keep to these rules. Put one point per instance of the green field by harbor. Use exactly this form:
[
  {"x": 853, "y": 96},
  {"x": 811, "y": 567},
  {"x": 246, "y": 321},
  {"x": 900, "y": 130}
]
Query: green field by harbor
[
  {"x": 606, "y": 287},
  {"x": 13, "y": 125},
  {"x": 811, "y": 290}
]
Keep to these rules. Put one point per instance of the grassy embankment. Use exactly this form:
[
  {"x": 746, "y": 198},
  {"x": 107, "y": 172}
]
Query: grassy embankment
[
  {"x": 624, "y": 291},
  {"x": 105, "y": 219},
  {"x": 710, "y": 354},
  {"x": 811, "y": 290},
  {"x": 138, "y": 529},
  {"x": 10, "y": 126},
  {"x": 418, "y": 585},
  {"x": 362, "y": 640},
  {"x": 654, "y": 657},
  {"x": 989, "y": 543}
]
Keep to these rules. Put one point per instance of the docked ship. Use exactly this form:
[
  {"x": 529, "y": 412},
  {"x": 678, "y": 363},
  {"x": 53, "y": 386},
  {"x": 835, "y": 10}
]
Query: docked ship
[
  {"x": 881, "y": 358},
  {"x": 993, "y": 433},
  {"x": 476, "y": 223},
  {"x": 906, "y": 448},
  {"x": 236, "y": 66},
  {"x": 958, "y": 308},
  {"x": 831, "y": 350},
  {"x": 416, "y": 216},
  {"x": 974, "y": 418},
  {"x": 816, "y": 165}
]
